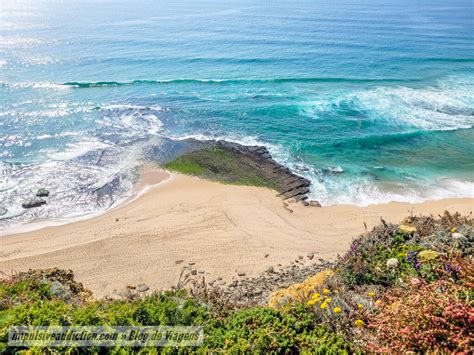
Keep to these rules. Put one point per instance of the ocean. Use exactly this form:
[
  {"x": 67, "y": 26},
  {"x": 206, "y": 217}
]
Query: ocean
[{"x": 371, "y": 100}]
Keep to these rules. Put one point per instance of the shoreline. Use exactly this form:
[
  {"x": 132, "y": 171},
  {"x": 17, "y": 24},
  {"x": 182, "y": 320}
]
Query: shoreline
[
  {"x": 150, "y": 177},
  {"x": 186, "y": 220}
]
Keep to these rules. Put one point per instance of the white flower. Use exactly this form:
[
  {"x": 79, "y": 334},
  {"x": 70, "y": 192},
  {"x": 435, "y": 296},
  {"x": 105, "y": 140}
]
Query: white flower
[
  {"x": 392, "y": 263},
  {"x": 458, "y": 236}
]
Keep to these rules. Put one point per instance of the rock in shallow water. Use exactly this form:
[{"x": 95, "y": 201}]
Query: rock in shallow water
[
  {"x": 42, "y": 193},
  {"x": 35, "y": 202}
]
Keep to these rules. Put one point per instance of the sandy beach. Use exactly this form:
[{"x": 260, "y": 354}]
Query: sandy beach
[{"x": 223, "y": 229}]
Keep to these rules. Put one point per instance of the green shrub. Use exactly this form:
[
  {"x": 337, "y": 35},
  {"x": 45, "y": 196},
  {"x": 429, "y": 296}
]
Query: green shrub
[
  {"x": 30, "y": 302},
  {"x": 263, "y": 329}
]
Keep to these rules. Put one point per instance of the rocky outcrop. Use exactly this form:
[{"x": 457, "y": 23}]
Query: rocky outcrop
[
  {"x": 61, "y": 284},
  {"x": 289, "y": 185},
  {"x": 251, "y": 291}
]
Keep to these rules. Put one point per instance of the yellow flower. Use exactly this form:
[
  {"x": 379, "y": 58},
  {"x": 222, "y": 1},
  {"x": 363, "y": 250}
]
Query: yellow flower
[
  {"x": 427, "y": 255},
  {"x": 316, "y": 296},
  {"x": 359, "y": 323},
  {"x": 378, "y": 302},
  {"x": 454, "y": 229},
  {"x": 336, "y": 291},
  {"x": 311, "y": 302},
  {"x": 328, "y": 299},
  {"x": 360, "y": 306},
  {"x": 324, "y": 305},
  {"x": 326, "y": 291},
  {"x": 371, "y": 294},
  {"x": 337, "y": 310}
]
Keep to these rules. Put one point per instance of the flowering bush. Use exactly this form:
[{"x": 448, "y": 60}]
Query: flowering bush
[
  {"x": 366, "y": 261},
  {"x": 433, "y": 317},
  {"x": 406, "y": 287}
]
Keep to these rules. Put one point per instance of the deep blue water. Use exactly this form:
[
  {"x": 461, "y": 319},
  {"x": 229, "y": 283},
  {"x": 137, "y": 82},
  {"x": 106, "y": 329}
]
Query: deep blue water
[{"x": 380, "y": 90}]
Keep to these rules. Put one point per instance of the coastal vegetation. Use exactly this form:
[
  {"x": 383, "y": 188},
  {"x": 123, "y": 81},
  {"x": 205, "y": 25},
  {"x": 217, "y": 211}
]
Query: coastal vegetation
[
  {"x": 218, "y": 164},
  {"x": 407, "y": 287}
]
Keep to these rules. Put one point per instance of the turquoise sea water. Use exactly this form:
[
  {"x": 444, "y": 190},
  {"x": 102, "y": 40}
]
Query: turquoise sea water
[{"x": 371, "y": 100}]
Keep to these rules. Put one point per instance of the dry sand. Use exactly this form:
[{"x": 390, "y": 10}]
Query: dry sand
[{"x": 224, "y": 229}]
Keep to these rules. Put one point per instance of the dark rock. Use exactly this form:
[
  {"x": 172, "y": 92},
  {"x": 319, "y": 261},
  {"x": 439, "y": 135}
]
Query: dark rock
[
  {"x": 301, "y": 198},
  {"x": 295, "y": 192},
  {"x": 3, "y": 211},
  {"x": 265, "y": 256},
  {"x": 36, "y": 202},
  {"x": 314, "y": 203},
  {"x": 241, "y": 274},
  {"x": 297, "y": 184},
  {"x": 270, "y": 270},
  {"x": 310, "y": 256},
  {"x": 177, "y": 262},
  {"x": 300, "y": 257},
  {"x": 194, "y": 272},
  {"x": 42, "y": 193}
]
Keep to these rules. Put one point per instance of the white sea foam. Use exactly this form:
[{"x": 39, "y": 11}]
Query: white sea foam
[
  {"x": 35, "y": 85},
  {"x": 133, "y": 124},
  {"x": 363, "y": 192},
  {"x": 131, "y": 107},
  {"x": 76, "y": 149},
  {"x": 428, "y": 109},
  {"x": 448, "y": 105},
  {"x": 79, "y": 184}
]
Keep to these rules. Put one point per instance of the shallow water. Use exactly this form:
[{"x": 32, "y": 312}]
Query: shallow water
[{"x": 373, "y": 101}]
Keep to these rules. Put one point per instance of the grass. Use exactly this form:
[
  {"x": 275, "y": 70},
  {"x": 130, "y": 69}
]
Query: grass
[{"x": 217, "y": 164}]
